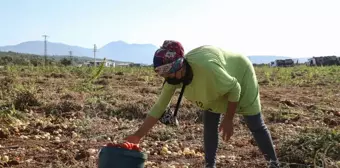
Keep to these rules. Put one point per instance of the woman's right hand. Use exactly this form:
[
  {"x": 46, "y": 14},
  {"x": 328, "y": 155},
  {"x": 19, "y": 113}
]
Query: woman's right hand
[
  {"x": 148, "y": 123},
  {"x": 133, "y": 139}
]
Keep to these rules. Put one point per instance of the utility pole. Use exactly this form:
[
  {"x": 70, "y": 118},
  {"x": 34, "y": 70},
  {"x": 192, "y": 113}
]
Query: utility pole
[
  {"x": 70, "y": 52},
  {"x": 94, "y": 54},
  {"x": 45, "y": 48}
]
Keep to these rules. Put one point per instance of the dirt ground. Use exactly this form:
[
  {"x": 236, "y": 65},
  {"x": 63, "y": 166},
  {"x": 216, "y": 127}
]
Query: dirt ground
[{"x": 57, "y": 119}]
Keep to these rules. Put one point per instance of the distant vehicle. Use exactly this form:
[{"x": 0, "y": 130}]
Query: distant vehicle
[
  {"x": 324, "y": 61},
  {"x": 282, "y": 63},
  {"x": 98, "y": 63}
]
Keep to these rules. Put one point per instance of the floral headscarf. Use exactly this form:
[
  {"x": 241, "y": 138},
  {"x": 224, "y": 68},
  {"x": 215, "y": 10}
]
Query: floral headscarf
[{"x": 169, "y": 58}]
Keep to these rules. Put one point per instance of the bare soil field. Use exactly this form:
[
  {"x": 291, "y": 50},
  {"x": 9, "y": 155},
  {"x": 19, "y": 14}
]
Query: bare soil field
[{"x": 60, "y": 117}]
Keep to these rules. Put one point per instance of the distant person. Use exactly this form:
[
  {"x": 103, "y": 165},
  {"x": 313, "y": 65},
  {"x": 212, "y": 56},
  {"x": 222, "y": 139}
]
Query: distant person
[{"x": 219, "y": 82}]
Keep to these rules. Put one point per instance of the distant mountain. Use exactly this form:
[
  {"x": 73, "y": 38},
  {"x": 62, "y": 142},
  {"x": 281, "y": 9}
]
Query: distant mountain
[
  {"x": 260, "y": 59},
  {"x": 301, "y": 60},
  {"x": 37, "y": 47},
  {"x": 137, "y": 53},
  {"x": 265, "y": 59},
  {"x": 119, "y": 50}
]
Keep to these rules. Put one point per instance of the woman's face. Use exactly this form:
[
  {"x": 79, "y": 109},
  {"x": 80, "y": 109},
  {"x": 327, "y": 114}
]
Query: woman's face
[
  {"x": 178, "y": 74},
  {"x": 175, "y": 78}
]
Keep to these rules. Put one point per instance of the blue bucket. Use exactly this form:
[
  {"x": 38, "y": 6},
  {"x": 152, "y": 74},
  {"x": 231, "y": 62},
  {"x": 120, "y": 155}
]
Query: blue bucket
[{"x": 114, "y": 157}]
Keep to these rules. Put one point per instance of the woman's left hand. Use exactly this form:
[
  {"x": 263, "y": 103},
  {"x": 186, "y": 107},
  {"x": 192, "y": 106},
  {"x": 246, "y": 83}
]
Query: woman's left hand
[{"x": 227, "y": 129}]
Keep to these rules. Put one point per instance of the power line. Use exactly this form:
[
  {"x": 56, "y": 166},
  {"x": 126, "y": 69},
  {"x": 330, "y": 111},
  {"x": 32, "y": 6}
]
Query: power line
[{"x": 45, "y": 48}]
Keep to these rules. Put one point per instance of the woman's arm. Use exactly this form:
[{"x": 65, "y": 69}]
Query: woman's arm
[
  {"x": 149, "y": 122},
  {"x": 155, "y": 112},
  {"x": 226, "y": 125},
  {"x": 229, "y": 116}
]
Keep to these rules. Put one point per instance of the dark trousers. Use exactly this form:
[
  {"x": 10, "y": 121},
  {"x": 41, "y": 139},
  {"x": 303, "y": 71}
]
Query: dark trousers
[{"x": 255, "y": 124}]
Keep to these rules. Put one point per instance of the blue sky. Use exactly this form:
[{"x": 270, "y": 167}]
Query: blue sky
[{"x": 296, "y": 28}]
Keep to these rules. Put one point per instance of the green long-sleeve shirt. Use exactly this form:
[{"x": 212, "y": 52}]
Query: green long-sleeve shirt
[{"x": 219, "y": 77}]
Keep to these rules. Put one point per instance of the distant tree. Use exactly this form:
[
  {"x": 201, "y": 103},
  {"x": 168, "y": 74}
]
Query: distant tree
[
  {"x": 21, "y": 61},
  {"x": 5, "y": 60},
  {"x": 36, "y": 61},
  {"x": 75, "y": 59},
  {"x": 13, "y": 58},
  {"x": 66, "y": 62}
]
